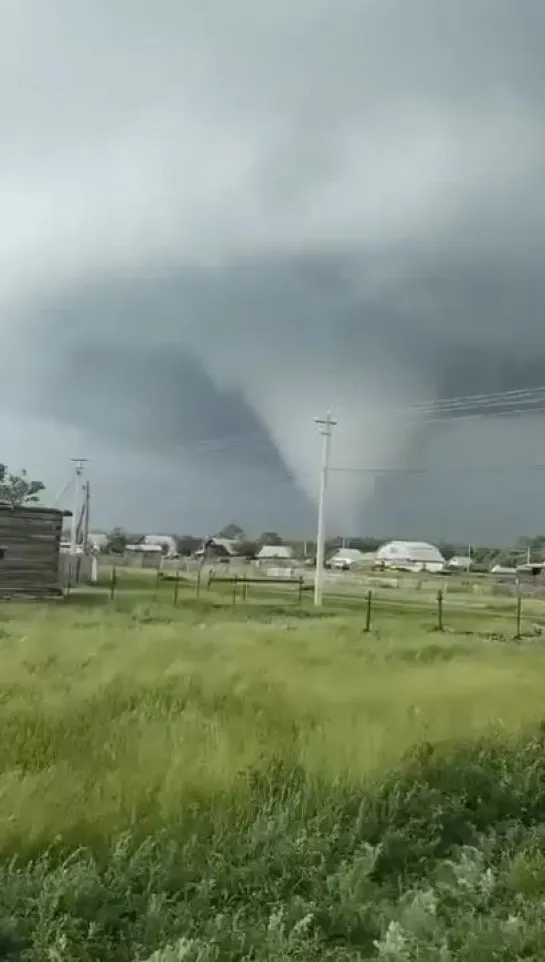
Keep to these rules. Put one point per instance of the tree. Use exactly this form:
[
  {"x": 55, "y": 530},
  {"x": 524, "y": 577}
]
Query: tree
[
  {"x": 18, "y": 489},
  {"x": 270, "y": 537},
  {"x": 188, "y": 544},
  {"x": 232, "y": 532},
  {"x": 247, "y": 549},
  {"x": 117, "y": 541}
]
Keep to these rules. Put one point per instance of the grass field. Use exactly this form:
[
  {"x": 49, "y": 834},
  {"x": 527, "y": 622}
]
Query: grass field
[{"x": 211, "y": 782}]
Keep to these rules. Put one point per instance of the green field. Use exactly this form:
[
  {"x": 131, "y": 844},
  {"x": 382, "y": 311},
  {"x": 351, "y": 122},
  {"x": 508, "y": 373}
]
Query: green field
[{"x": 253, "y": 781}]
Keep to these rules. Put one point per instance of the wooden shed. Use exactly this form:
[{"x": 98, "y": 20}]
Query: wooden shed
[{"x": 30, "y": 538}]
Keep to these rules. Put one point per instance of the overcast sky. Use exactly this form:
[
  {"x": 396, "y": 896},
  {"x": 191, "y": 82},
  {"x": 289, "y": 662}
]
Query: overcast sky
[{"x": 218, "y": 220}]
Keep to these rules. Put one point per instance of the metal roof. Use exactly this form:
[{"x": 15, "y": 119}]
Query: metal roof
[
  {"x": 419, "y": 551},
  {"x": 347, "y": 554},
  {"x": 272, "y": 551}
]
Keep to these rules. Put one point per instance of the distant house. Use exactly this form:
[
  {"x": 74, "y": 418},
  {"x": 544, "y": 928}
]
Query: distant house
[
  {"x": 346, "y": 558},
  {"x": 533, "y": 568},
  {"x": 275, "y": 552},
  {"x": 218, "y": 549},
  {"x": 410, "y": 556},
  {"x": 97, "y": 540},
  {"x": 166, "y": 542},
  {"x": 459, "y": 563},
  {"x": 144, "y": 555}
]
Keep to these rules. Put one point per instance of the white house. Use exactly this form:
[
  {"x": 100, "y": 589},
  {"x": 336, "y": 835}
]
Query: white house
[
  {"x": 498, "y": 569},
  {"x": 165, "y": 542},
  {"x": 97, "y": 540},
  {"x": 345, "y": 558},
  {"x": 459, "y": 563},
  {"x": 218, "y": 549},
  {"x": 275, "y": 552},
  {"x": 410, "y": 556}
]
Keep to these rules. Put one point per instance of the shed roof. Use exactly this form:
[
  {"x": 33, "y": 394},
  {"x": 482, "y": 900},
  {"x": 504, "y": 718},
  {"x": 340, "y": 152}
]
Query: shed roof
[{"x": 33, "y": 508}]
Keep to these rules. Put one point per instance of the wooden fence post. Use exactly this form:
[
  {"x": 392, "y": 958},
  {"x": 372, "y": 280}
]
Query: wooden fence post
[
  {"x": 440, "y": 610},
  {"x": 113, "y": 583},
  {"x": 176, "y": 587},
  {"x": 519, "y": 617},
  {"x": 368, "y": 611},
  {"x": 300, "y": 588},
  {"x": 235, "y": 582}
]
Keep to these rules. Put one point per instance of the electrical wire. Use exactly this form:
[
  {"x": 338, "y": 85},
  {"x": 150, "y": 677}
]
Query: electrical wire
[
  {"x": 514, "y": 403},
  {"x": 497, "y": 404},
  {"x": 481, "y": 401},
  {"x": 459, "y": 469}
]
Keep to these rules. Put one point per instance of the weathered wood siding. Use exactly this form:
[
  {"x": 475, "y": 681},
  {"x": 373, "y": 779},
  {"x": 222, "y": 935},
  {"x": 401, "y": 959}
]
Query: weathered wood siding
[{"x": 29, "y": 550}]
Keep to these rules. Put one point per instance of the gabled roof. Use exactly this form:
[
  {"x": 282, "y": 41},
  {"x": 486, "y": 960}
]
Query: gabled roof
[
  {"x": 166, "y": 540},
  {"x": 229, "y": 546},
  {"x": 352, "y": 555},
  {"x": 283, "y": 551},
  {"x": 410, "y": 551}
]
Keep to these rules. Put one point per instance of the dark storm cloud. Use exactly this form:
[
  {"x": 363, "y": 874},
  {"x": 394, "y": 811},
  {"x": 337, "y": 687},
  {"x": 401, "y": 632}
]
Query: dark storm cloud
[{"x": 218, "y": 220}]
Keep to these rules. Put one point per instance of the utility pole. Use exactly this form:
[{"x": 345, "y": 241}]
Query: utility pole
[
  {"x": 325, "y": 425},
  {"x": 79, "y": 465},
  {"x": 86, "y": 516}
]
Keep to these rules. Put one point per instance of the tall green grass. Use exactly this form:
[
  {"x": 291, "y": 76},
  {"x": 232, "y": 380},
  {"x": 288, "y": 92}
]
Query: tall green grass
[{"x": 203, "y": 783}]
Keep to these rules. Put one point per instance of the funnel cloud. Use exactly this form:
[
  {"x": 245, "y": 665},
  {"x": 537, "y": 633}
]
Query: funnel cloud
[{"x": 218, "y": 221}]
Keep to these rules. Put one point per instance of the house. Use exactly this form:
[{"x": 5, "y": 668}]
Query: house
[
  {"x": 274, "y": 552},
  {"x": 346, "y": 558},
  {"x": 30, "y": 555},
  {"x": 218, "y": 549},
  {"x": 459, "y": 563},
  {"x": 410, "y": 556},
  {"x": 143, "y": 555},
  {"x": 166, "y": 542},
  {"x": 97, "y": 540}
]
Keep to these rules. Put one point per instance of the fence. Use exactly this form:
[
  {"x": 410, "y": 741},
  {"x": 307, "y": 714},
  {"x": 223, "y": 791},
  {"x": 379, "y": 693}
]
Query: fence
[
  {"x": 514, "y": 616},
  {"x": 239, "y": 585},
  {"x": 509, "y": 618}
]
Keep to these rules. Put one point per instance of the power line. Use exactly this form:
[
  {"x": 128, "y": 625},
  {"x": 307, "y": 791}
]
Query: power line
[
  {"x": 483, "y": 414},
  {"x": 477, "y": 468},
  {"x": 219, "y": 445},
  {"x": 516, "y": 403},
  {"x": 480, "y": 400}
]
